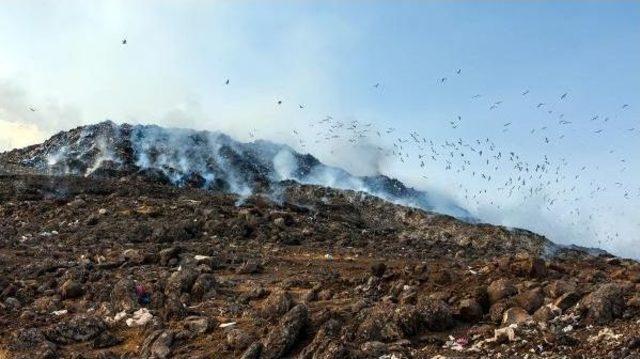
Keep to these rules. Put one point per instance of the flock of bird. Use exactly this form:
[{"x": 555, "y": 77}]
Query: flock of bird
[
  {"x": 487, "y": 175},
  {"x": 492, "y": 175}
]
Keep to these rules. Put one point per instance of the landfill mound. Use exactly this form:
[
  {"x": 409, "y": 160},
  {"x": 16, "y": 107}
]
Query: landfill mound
[
  {"x": 200, "y": 159},
  {"x": 130, "y": 266}
]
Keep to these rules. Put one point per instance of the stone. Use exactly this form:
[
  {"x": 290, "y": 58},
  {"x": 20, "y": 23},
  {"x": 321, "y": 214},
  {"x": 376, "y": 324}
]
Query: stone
[
  {"x": 238, "y": 339},
  {"x": 253, "y": 352},
  {"x": 285, "y": 335},
  {"x": 567, "y": 300},
  {"x": 277, "y": 304},
  {"x": 530, "y": 300},
  {"x": 500, "y": 289},
  {"x": 159, "y": 344},
  {"x": 604, "y": 304},
  {"x": 515, "y": 315},
  {"x": 546, "y": 313},
  {"x": 435, "y": 314},
  {"x": 537, "y": 267},
  {"x": 198, "y": 325},
  {"x": 76, "y": 330},
  {"x": 105, "y": 340},
  {"x": 71, "y": 289},
  {"x": 470, "y": 310},
  {"x": 497, "y": 310}
]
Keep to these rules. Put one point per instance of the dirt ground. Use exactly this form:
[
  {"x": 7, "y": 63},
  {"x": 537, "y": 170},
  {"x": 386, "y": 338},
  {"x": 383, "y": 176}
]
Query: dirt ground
[{"x": 127, "y": 268}]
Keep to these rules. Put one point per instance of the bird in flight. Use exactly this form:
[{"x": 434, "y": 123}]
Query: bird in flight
[
  {"x": 279, "y": 102},
  {"x": 625, "y": 105},
  {"x": 540, "y": 104},
  {"x": 376, "y": 85},
  {"x": 226, "y": 82},
  {"x": 459, "y": 71},
  {"x": 442, "y": 80},
  {"x": 124, "y": 41},
  {"x": 300, "y": 106},
  {"x": 526, "y": 92},
  {"x": 476, "y": 96},
  {"x": 564, "y": 95},
  {"x": 32, "y": 109}
]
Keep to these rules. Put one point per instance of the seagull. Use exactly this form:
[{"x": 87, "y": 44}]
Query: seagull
[
  {"x": 124, "y": 41},
  {"x": 540, "y": 104},
  {"x": 32, "y": 109},
  {"x": 459, "y": 71},
  {"x": 226, "y": 82},
  {"x": 564, "y": 95},
  {"x": 279, "y": 102},
  {"x": 507, "y": 124},
  {"x": 376, "y": 85},
  {"x": 526, "y": 92},
  {"x": 300, "y": 106},
  {"x": 625, "y": 106},
  {"x": 442, "y": 80},
  {"x": 476, "y": 96}
]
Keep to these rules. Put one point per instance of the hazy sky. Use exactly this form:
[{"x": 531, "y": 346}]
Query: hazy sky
[{"x": 65, "y": 60}]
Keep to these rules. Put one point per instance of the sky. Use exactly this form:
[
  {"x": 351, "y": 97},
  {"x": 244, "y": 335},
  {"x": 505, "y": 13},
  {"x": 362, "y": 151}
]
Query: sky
[{"x": 62, "y": 64}]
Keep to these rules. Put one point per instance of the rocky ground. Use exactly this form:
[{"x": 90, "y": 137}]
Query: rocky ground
[{"x": 128, "y": 268}]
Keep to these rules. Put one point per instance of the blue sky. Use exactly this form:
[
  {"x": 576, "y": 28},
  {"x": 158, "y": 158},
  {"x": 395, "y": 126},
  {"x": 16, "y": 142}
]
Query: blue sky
[{"x": 65, "y": 59}]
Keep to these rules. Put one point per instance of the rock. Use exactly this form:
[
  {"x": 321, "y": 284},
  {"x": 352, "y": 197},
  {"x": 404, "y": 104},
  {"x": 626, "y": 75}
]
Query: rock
[
  {"x": 12, "y": 303},
  {"x": 253, "y": 352},
  {"x": 530, "y": 300},
  {"x": 283, "y": 337},
  {"x": 380, "y": 323},
  {"x": 546, "y": 313},
  {"x": 249, "y": 267},
  {"x": 181, "y": 281},
  {"x": 30, "y": 339},
  {"x": 123, "y": 295},
  {"x": 378, "y": 269},
  {"x": 78, "y": 329},
  {"x": 238, "y": 339},
  {"x": 105, "y": 340},
  {"x": 604, "y": 304},
  {"x": 198, "y": 325},
  {"x": 408, "y": 319},
  {"x": 515, "y": 315},
  {"x": 435, "y": 314},
  {"x": 71, "y": 289},
  {"x": 158, "y": 345},
  {"x": 325, "y": 343},
  {"x": 204, "y": 286},
  {"x": 537, "y": 267},
  {"x": 500, "y": 289},
  {"x": 470, "y": 310},
  {"x": 277, "y": 304},
  {"x": 567, "y": 300},
  {"x": 497, "y": 310},
  {"x": 374, "y": 349},
  {"x": 166, "y": 255},
  {"x": 134, "y": 256},
  {"x": 558, "y": 288}
]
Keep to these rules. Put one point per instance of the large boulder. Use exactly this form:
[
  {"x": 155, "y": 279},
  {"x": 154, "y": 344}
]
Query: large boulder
[
  {"x": 500, "y": 289},
  {"x": 604, "y": 304},
  {"x": 284, "y": 336}
]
